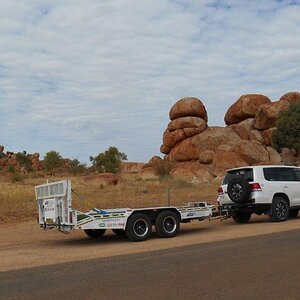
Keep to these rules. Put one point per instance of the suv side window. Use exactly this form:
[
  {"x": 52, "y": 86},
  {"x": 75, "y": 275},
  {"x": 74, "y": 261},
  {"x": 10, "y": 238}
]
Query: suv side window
[
  {"x": 297, "y": 174},
  {"x": 285, "y": 174},
  {"x": 270, "y": 174}
]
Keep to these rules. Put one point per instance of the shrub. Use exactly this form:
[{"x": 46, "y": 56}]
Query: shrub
[
  {"x": 52, "y": 160},
  {"x": 11, "y": 169},
  {"x": 16, "y": 178},
  {"x": 24, "y": 160},
  {"x": 163, "y": 168},
  {"x": 288, "y": 128},
  {"x": 108, "y": 161},
  {"x": 77, "y": 167}
]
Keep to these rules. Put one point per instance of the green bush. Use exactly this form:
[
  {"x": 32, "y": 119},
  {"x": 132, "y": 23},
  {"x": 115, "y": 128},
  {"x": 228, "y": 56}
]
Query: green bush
[
  {"x": 108, "y": 161},
  {"x": 288, "y": 129},
  {"x": 16, "y": 178},
  {"x": 24, "y": 160},
  {"x": 77, "y": 167},
  {"x": 163, "y": 168},
  {"x": 11, "y": 169},
  {"x": 52, "y": 160}
]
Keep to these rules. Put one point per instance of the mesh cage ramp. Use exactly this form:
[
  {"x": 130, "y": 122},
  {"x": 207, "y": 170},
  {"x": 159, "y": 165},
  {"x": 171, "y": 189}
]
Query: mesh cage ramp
[{"x": 51, "y": 190}]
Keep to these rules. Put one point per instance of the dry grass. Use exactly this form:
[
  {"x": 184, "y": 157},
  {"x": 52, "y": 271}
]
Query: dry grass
[{"x": 17, "y": 200}]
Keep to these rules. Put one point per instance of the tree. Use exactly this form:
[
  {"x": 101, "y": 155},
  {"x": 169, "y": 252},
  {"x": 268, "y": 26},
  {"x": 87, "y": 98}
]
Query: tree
[
  {"x": 52, "y": 160},
  {"x": 288, "y": 129},
  {"x": 108, "y": 161},
  {"x": 24, "y": 160},
  {"x": 77, "y": 167}
]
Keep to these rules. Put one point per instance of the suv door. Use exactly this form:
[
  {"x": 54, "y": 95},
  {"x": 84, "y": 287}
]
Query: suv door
[{"x": 290, "y": 185}]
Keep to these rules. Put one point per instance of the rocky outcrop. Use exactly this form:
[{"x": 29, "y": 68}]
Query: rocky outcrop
[
  {"x": 186, "y": 107},
  {"x": 247, "y": 140},
  {"x": 193, "y": 171},
  {"x": 291, "y": 97},
  {"x": 188, "y": 118},
  {"x": 209, "y": 139},
  {"x": 131, "y": 167},
  {"x": 11, "y": 160},
  {"x": 244, "y": 108},
  {"x": 268, "y": 113}
]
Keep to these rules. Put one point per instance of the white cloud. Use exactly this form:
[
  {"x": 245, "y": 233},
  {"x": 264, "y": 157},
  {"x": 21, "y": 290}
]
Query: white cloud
[{"x": 79, "y": 76}]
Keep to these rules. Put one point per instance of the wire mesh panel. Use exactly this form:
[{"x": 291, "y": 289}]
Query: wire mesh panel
[{"x": 51, "y": 190}]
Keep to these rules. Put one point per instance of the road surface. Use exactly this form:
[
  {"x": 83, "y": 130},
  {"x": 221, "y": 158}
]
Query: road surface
[{"x": 259, "y": 267}]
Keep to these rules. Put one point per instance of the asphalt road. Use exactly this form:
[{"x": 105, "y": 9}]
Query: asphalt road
[{"x": 262, "y": 267}]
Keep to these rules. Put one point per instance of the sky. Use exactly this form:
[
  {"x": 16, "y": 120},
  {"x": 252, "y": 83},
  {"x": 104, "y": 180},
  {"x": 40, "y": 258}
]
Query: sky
[{"x": 80, "y": 76}]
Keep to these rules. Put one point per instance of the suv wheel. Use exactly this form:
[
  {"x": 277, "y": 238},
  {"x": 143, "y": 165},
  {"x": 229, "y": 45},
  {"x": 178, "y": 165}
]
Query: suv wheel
[
  {"x": 241, "y": 217},
  {"x": 238, "y": 190},
  {"x": 293, "y": 213},
  {"x": 280, "y": 210}
]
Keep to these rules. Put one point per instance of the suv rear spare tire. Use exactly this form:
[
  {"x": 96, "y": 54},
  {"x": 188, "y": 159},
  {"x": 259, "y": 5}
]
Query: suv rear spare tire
[
  {"x": 238, "y": 190},
  {"x": 241, "y": 217},
  {"x": 280, "y": 209}
]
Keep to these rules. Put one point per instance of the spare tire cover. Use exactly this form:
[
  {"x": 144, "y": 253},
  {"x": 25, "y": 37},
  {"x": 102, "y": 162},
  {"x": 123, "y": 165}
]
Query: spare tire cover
[{"x": 238, "y": 190}]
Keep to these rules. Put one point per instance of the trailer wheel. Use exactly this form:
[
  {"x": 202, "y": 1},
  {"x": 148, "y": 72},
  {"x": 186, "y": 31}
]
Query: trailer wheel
[
  {"x": 94, "y": 233},
  {"x": 167, "y": 224},
  {"x": 138, "y": 227},
  {"x": 120, "y": 232}
]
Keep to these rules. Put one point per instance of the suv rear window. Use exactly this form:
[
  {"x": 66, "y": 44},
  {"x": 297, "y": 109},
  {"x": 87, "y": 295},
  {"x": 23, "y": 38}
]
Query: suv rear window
[
  {"x": 282, "y": 174},
  {"x": 246, "y": 173}
]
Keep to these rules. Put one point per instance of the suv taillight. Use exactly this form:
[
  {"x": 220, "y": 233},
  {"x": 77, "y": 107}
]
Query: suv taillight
[
  {"x": 220, "y": 190},
  {"x": 255, "y": 187}
]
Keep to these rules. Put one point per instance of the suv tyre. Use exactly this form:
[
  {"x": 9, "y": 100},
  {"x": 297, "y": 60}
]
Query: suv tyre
[
  {"x": 280, "y": 209},
  {"x": 293, "y": 213},
  {"x": 241, "y": 217},
  {"x": 239, "y": 190}
]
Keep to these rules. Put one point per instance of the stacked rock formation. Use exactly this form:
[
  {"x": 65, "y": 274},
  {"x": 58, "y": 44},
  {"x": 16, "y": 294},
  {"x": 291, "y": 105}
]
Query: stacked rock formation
[
  {"x": 188, "y": 117},
  {"x": 10, "y": 159},
  {"x": 246, "y": 140}
]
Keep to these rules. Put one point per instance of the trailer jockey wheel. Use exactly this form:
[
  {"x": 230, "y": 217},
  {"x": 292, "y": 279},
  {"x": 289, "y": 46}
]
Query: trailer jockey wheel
[
  {"x": 94, "y": 233},
  {"x": 167, "y": 224},
  {"x": 138, "y": 227}
]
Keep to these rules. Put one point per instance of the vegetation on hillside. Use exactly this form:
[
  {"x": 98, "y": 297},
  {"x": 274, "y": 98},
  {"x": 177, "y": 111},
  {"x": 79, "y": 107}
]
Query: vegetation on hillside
[
  {"x": 108, "y": 161},
  {"x": 288, "y": 129},
  {"x": 52, "y": 160}
]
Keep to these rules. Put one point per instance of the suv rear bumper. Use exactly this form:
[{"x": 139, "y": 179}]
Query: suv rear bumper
[{"x": 229, "y": 209}]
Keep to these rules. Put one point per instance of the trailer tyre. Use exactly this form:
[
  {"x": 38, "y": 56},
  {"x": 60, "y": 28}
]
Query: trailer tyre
[
  {"x": 167, "y": 224},
  {"x": 239, "y": 190},
  {"x": 94, "y": 233},
  {"x": 138, "y": 227}
]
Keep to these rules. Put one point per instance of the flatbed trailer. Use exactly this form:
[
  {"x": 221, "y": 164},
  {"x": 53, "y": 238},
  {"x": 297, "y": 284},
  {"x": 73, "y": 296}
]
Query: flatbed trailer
[{"x": 55, "y": 211}]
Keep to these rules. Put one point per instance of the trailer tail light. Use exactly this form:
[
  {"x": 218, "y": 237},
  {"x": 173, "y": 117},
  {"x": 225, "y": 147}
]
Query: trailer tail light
[
  {"x": 255, "y": 187},
  {"x": 71, "y": 217},
  {"x": 220, "y": 191}
]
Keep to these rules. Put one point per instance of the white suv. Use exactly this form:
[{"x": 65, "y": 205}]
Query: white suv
[{"x": 270, "y": 190}]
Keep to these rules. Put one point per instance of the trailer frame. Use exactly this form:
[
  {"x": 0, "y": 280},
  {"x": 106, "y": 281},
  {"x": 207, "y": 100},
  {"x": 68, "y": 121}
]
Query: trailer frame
[{"x": 55, "y": 211}]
